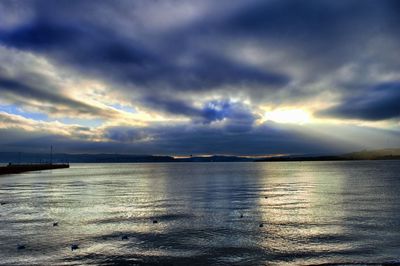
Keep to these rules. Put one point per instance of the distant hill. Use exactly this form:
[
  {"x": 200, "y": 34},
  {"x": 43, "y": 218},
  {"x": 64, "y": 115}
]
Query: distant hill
[
  {"x": 374, "y": 154},
  {"x": 301, "y": 158},
  {"x": 16, "y": 157},
  {"x": 215, "y": 158},
  {"x": 382, "y": 154}
]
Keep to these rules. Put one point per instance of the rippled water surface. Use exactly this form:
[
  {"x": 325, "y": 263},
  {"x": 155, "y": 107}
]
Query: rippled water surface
[{"x": 312, "y": 213}]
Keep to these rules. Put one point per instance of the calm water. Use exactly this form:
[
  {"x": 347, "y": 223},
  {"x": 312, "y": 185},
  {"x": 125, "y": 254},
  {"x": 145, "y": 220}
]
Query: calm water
[{"x": 314, "y": 213}]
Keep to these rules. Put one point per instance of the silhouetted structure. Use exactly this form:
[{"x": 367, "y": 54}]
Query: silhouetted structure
[{"x": 20, "y": 168}]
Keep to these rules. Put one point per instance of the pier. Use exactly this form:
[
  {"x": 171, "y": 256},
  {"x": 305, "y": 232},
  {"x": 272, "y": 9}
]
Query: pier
[{"x": 20, "y": 168}]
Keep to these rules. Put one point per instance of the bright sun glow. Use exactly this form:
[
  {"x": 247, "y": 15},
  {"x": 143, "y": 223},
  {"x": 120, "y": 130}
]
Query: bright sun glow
[{"x": 292, "y": 116}]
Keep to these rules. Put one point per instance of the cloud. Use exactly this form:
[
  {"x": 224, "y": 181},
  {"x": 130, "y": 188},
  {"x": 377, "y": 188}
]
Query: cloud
[
  {"x": 379, "y": 102},
  {"x": 31, "y": 126},
  {"x": 235, "y": 134},
  {"x": 209, "y": 68},
  {"x": 34, "y": 85},
  {"x": 125, "y": 134},
  {"x": 184, "y": 139},
  {"x": 209, "y": 112},
  {"x": 125, "y": 61},
  {"x": 233, "y": 117},
  {"x": 23, "y": 93},
  {"x": 187, "y": 54}
]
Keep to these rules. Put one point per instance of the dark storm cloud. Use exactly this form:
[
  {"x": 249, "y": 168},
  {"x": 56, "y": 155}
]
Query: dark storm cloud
[
  {"x": 323, "y": 35},
  {"x": 376, "y": 103},
  {"x": 174, "y": 66},
  {"x": 40, "y": 35},
  {"x": 124, "y": 134},
  {"x": 314, "y": 20},
  {"x": 317, "y": 28},
  {"x": 75, "y": 44},
  {"x": 99, "y": 50},
  {"x": 170, "y": 105}
]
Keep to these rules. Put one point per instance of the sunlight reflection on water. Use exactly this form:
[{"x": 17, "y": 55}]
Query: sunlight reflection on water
[{"x": 312, "y": 212}]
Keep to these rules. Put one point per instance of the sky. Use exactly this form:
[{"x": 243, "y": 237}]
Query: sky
[{"x": 172, "y": 77}]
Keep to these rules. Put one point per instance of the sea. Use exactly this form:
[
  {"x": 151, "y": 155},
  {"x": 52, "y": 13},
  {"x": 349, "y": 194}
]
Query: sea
[{"x": 242, "y": 213}]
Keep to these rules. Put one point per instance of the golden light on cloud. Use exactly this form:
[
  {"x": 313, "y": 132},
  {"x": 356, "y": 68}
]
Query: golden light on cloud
[{"x": 288, "y": 116}]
